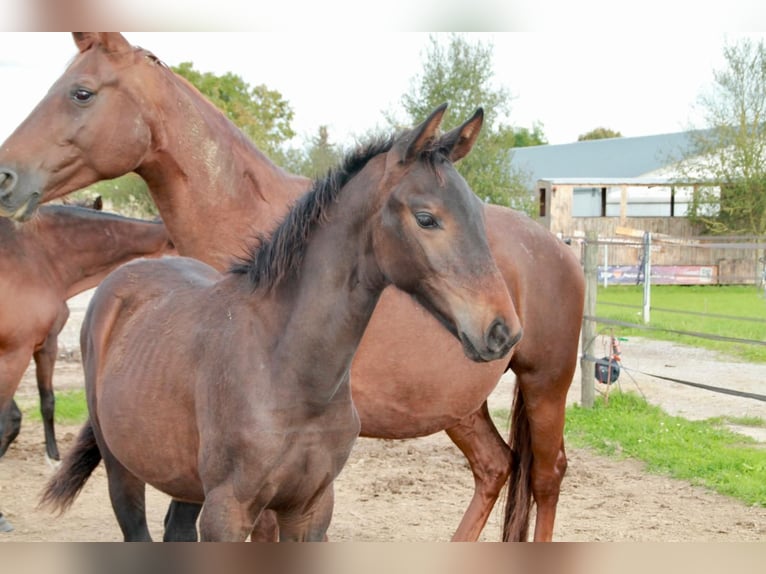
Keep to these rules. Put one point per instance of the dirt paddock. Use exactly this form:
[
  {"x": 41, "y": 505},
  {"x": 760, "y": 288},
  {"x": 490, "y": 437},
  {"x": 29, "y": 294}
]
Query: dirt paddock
[{"x": 417, "y": 490}]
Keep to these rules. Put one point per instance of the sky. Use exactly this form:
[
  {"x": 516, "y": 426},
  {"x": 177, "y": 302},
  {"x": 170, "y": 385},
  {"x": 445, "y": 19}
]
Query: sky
[{"x": 634, "y": 82}]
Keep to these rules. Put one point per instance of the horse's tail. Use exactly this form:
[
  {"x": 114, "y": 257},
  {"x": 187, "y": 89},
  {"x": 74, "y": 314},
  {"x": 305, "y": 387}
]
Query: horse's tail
[
  {"x": 519, "y": 501},
  {"x": 75, "y": 469}
]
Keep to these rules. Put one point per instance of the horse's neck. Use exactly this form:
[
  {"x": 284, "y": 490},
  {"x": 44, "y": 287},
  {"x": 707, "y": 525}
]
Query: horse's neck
[
  {"x": 213, "y": 188},
  {"x": 82, "y": 250},
  {"x": 328, "y": 302}
]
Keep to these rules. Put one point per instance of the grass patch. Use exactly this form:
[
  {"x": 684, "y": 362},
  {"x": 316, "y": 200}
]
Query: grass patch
[
  {"x": 756, "y": 422},
  {"x": 71, "y": 408},
  {"x": 738, "y": 301},
  {"x": 701, "y": 452}
]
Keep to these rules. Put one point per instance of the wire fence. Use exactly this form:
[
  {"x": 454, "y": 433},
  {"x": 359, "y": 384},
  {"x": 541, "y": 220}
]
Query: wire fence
[{"x": 602, "y": 369}]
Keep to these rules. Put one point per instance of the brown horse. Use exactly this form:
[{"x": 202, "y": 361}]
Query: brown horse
[
  {"x": 61, "y": 252},
  {"x": 212, "y": 188},
  {"x": 234, "y": 390},
  {"x": 10, "y": 421}
]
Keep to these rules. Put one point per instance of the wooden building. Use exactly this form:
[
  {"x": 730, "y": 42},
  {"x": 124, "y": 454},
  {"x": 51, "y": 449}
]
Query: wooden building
[{"x": 621, "y": 188}]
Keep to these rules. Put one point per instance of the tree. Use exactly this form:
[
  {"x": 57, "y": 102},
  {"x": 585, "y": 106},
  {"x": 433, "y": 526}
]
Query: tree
[
  {"x": 460, "y": 73},
  {"x": 262, "y": 114},
  {"x": 731, "y": 151},
  {"x": 524, "y": 137},
  {"x": 317, "y": 156},
  {"x": 599, "y": 134}
]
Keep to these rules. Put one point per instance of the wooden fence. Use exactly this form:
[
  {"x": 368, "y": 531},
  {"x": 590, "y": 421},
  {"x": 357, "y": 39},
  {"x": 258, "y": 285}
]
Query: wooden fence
[{"x": 694, "y": 260}]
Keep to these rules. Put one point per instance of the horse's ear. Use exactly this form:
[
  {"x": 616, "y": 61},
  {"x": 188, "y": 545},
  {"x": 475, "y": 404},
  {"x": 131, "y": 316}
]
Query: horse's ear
[
  {"x": 111, "y": 41},
  {"x": 421, "y": 137},
  {"x": 460, "y": 140},
  {"x": 84, "y": 40}
]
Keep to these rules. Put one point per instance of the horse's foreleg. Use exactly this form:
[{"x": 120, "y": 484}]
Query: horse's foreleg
[
  {"x": 13, "y": 363},
  {"x": 45, "y": 361},
  {"x": 10, "y": 425},
  {"x": 490, "y": 460},
  {"x": 224, "y": 518},
  {"x": 181, "y": 524},
  {"x": 5, "y": 526},
  {"x": 266, "y": 528},
  {"x": 310, "y": 526}
]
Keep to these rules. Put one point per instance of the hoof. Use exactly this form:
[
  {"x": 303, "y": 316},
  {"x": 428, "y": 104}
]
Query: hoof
[
  {"x": 54, "y": 464},
  {"x": 5, "y": 526}
]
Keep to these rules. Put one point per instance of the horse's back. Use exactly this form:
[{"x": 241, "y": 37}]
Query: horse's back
[
  {"x": 128, "y": 296},
  {"x": 138, "y": 284}
]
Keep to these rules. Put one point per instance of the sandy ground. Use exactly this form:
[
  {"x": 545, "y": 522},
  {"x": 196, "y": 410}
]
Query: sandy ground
[{"x": 417, "y": 490}]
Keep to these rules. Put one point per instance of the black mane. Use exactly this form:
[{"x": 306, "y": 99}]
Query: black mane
[{"x": 273, "y": 258}]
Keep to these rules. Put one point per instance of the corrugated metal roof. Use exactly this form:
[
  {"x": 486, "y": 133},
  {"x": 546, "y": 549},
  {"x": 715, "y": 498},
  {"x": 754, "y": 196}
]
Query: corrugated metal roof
[{"x": 626, "y": 157}]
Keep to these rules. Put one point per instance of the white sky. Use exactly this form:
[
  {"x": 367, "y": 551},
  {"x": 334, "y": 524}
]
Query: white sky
[{"x": 638, "y": 83}]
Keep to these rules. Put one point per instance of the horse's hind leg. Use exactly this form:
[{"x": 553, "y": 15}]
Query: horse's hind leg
[
  {"x": 128, "y": 495},
  {"x": 45, "y": 361},
  {"x": 490, "y": 459},
  {"x": 545, "y": 399},
  {"x": 181, "y": 521}
]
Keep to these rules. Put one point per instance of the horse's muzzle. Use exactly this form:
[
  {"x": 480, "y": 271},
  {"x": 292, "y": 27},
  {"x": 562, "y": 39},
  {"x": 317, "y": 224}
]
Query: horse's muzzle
[
  {"x": 497, "y": 343},
  {"x": 13, "y": 202}
]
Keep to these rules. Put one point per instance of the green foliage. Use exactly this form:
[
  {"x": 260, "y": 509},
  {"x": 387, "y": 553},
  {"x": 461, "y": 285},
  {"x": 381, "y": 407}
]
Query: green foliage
[
  {"x": 460, "y": 73},
  {"x": 730, "y": 300},
  {"x": 701, "y": 452},
  {"x": 71, "y": 408},
  {"x": 599, "y": 134},
  {"x": 524, "y": 137},
  {"x": 318, "y": 156},
  {"x": 732, "y": 150},
  {"x": 262, "y": 114}
]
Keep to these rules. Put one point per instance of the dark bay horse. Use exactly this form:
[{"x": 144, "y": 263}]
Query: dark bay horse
[
  {"x": 59, "y": 253},
  {"x": 234, "y": 390},
  {"x": 213, "y": 187}
]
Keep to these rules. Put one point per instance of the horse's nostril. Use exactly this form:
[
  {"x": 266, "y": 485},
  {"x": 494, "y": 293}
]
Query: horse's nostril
[
  {"x": 498, "y": 336},
  {"x": 8, "y": 179}
]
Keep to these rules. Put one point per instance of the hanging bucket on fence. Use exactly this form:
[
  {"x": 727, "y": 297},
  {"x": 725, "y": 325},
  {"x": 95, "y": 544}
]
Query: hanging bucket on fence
[{"x": 607, "y": 370}]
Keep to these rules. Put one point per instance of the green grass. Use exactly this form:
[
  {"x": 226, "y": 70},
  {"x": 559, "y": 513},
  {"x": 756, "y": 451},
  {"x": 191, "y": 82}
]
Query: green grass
[
  {"x": 701, "y": 452},
  {"x": 731, "y": 300},
  {"x": 71, "y": 408},
  {"x": 704, "y": 453}
]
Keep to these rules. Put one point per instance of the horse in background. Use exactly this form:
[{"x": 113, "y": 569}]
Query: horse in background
[
  {"x": 96, "y": 203},
  {"x": 60, "y": 252},
  {"x": 213, "y": 187}
]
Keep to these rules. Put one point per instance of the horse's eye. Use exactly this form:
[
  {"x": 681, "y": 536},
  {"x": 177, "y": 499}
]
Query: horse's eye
[
  {"x": 426, "y": 220},
  {"x": 82, "y": 95}
]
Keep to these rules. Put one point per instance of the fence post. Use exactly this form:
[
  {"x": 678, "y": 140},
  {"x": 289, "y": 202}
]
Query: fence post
[
  {"x": 647, "y": 275},
  {"x": 587, "y": 377}
]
